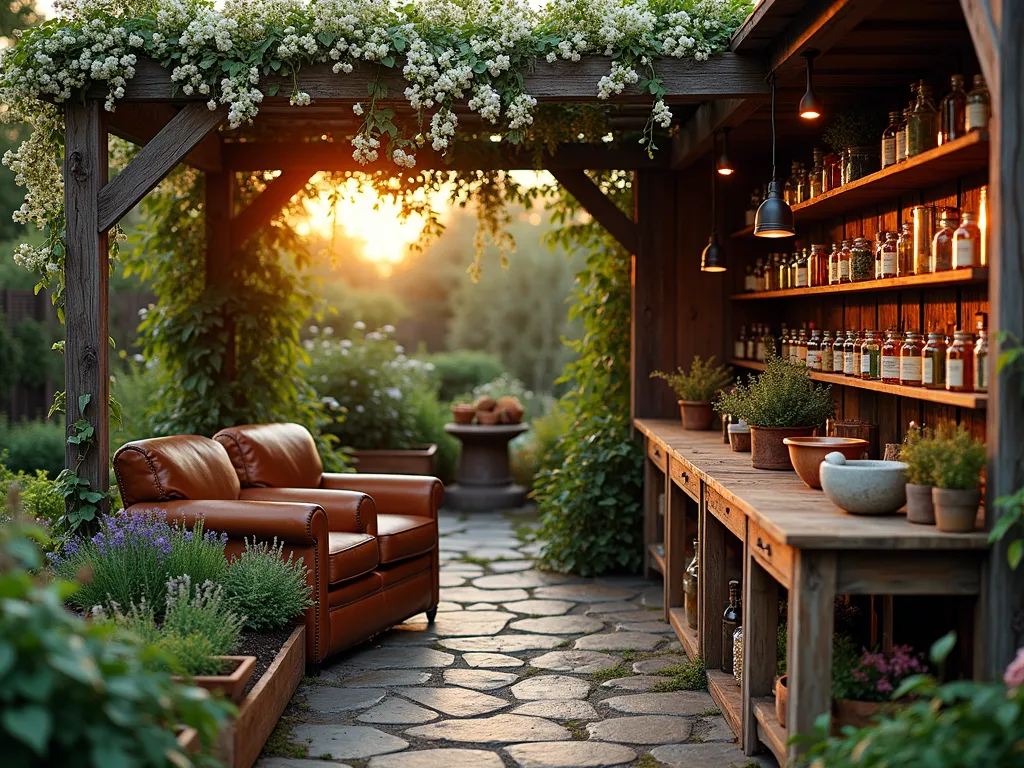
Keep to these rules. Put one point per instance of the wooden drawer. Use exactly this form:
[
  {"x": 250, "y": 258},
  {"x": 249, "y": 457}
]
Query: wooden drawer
[
  {"x": 725, "y": 512},
  {"x": 685, "y": 477},
  {"x": 776, "y": 558},
  {"x": 657, "y": 453}
]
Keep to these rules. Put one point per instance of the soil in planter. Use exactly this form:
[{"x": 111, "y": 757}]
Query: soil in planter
[{"x": 264, "y": 646}]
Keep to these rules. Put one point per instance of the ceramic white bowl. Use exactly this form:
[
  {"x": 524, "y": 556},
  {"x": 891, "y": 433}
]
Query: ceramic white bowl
[{"x": 864, "y": 487}]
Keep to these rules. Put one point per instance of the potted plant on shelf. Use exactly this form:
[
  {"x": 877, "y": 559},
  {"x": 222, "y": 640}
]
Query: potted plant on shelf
[
  {"x": 918, "y": 453},
  {"x": 853, "y": 133},
  {"x": 863, "y": 681},
  {"x": 959, "y": 460},
  {"x": 781, "y": 402},
  {"x": 697, "y": 389},
  {"x": 463, "y": 411}
]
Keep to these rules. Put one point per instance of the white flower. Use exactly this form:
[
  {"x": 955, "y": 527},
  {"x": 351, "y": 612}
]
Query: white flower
[{"x": 359, "y": 325}]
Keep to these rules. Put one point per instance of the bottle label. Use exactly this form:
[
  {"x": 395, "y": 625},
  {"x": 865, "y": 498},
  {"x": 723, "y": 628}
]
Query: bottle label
[
  {"x": 865, "y": 363},
  {"x": 910, "y": 369},
  {"x": 963, "y": 253},
  {"x": 759, "y": 351},
  {"x": 977, "y": 117},
  {"x": 851, "y": 364},
  {"x": 801, "y": 277},
  {"x": 890, "y": 367},
  {"x": 927, "y": 371},
  {"x": 831, "y": 272},
  {"x": 954, "y": 373},
  {"x": 837, "y": 361},
  {"x": 750, "y": 349},
  {"x": 737, "y": 349},
  {"x": 814, "y": 359},
  {"x": 749, "y": 282},
  {"x": 844, "y": 269},
  {"x": 826, "y": 359},
  {"x": 888, "y": 264},
  {"x": 888, "y": 152},
  {"x": 901, "y": 146}
]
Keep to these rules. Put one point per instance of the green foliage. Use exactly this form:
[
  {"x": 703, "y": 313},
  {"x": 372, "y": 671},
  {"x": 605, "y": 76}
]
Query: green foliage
[
  {"x": 919, "y": 454},
  {"x": 854, "y": 127},
  {"x": 136, "y": 388},
  {"x": 1011, "y": 365},
  {"x": 959, "y": 459},
  {"x": 38, "y": 498},
  {"x": 33, "y": 446},
  {"x": 690, "y": 675},
  {"x": 79, "y": 693},
  {"x": 430, "y": 416},
  {"x": 265, "y": 587},
  {"x": 701, "y": 383},
  {"x": 38, "y": 365},
  {"x": 10, "y": 353},
  {"x": 462, "y": 370},
  {"x": 531, "y": 449},
  {"x": 783, "y": 395}
]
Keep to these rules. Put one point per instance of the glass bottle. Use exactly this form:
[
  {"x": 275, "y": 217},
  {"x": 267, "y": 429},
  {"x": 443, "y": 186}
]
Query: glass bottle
[
  {"x": 889, "y": 256},
  {"x": 851, "y": 360},
  {"x": 748, "y": 347},
  {"x": 862, "y": 261},
  {"x": 911, "y": 355},
  {"x": 748, "y": 279},
  {"x": 838, "y": 352},
  {"x": 901, "y": 135},
  {"x": 905, "y": 251},
  {"x": 731, "y": 620},
  {"x": 817, "y": 171},
  {"x": 967, "y": 242},
  {"x": 784, "y": 343},
  {"x": 800, "y": 348},
  {"x": 924, "y": 232},
  {"x": 801, "y": 270},
  {"x": 770, "y": 343},
  {"x": 759, "y": 343},
  {"x": 739, "y": 345},
  {"x": 978, "y": 106},
  {"x": 933, "y": 362},
  {"x": 833, "y": 265},
  {"x": 983, "y": 224},
  {"x": 981, "y": 362},
  {"x": 889, "y": 140},
  {"x": 953, "y": 111},
  {"x": 826, "y": 352},
  {"x": 890, "y": 373},
  {"x": 813, "y": 351},
  {"x": 923, "y": 125},
  {"x": 759, "y": 275},
  {"x": 737, "y": 654},
  {"x": 879, "y": 242},
  {"x": 803, "y": 184},
  {"x": 789, "y": 190},
  {"x": 752, "y": 206},
  {"x": 844, "y": 262},
  {"x": 783, "y": 270},
  {"x": 818, "y": 266},
  {"x": 960, "y": 363},
  {"x": 858, "y": 346},
  {"x": 871, "y": 356},
  {"x": 690, "y": 579},
  {"x": 942, "y": 243}
]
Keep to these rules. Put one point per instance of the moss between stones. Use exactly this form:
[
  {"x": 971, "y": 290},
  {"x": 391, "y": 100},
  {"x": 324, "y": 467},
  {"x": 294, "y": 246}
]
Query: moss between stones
[
  {"x": 577, "y": 729},
  {"x": 688, "y": 676},
  {"x": 280, "y": 743}
]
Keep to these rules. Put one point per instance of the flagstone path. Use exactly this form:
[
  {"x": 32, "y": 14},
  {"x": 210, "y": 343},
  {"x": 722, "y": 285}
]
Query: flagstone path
[{"x": 521, "y": 669}]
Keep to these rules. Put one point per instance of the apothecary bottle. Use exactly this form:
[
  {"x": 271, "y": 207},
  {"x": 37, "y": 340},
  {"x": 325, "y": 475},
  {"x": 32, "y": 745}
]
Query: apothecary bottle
[
  {"x": 770, "y": 279},
  {"x": 851, "y": 360},
  {"x": 748, "y": 279},
  {"x": 825, "y": 348},
  {"x": 942, "y": 243},
  {"x": 923, "y": 125},
  {"x": 967, "y": 242},
  {"x": 833, "y": 265},
  {"x": 838, "y": 350},
  {"x": 889, "y": 140},
  {"x": 737, "y": 654},
  {"x": 748, "y": 347},
  {"x": 817, "y": 170},
  {"x": 814, "y": 351},
  {"x": 784, "y": 343},
  {"x": 911, "y": 356},
  {"x": 798, "y": 351},
  {"x": 933, "y": 362},
  {"x": 731, "y": 620},
  {"x": 690, "y": 579},
  {"x": 818, "y": 266},
  {"x": 803, "y": 184},
  {"x": 801, "y": 270},
  {"x": 844, "y": 262},
  {"x": 891, "y": 357},
  {"x": 759, "y": 350},
  {"x": 924, "y": 232},
  {"x": 978, "y": 106},
  {"x": 905, "y": 251},
  {"x": 783, "y": 270},
  {"x": 739, "y": 344},
  {"x": 871, "y": 356},
  {"x": 901, "y": 135},
  {"x": 960, "y": 363},
  {"x": 759, "y": 275},
  {"x": 981, "y": 362},
  {"x": 888, "y": 256},
  {"x": 953, "y": 111},
  {"x": 862, "y": 261}
]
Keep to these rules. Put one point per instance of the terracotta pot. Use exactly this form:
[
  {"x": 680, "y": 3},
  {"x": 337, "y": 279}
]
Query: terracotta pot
[
  {"x": 781, "y": 699},
  {"x": 489, "y": 418},
  {"x": 414, "y": 461},
  {"x": 230, "y": 685},
  {"x": 697, "y": 414},
  {"x": 956, "y": 510},
  {"x": 857, "y": 713},
  {"x": 739, "y": 440},
  {"x": 920, "y": 509},
  {"x": 807, "y": 453},
  {"x": 767, "y": 451},
  {"x": 463, "y": 414}
]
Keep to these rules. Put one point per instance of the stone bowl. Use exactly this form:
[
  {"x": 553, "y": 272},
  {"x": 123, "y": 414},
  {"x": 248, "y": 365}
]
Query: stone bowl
[
  {"x": 864, "y": 487},
  {"x": 807, "y": 453}
]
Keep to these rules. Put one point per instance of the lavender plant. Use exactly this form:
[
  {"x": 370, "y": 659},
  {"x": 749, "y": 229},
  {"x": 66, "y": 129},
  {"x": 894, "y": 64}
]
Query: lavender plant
[{"x": 267, "y": 587}]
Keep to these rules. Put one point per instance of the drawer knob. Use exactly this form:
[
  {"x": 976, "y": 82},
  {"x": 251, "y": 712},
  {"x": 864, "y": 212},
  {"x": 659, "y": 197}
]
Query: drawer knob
[
  {"x": 685, "y": 477},
  {"x": 727, "y": 510},
  {"x": 767, "y": 548}
]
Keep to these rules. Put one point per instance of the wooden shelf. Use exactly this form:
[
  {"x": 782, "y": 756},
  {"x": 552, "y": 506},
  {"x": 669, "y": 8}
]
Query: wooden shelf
[
  {"x": 728, "y": 696},
  {"x": 931, "y": 280},
  {"x": 687, "y": 636},
  {"x": 948, "y": 161},
  {"x": 769, "y": 731},
  {"x": 657, "y": 559},
  {"x": 958, "y": 399}
]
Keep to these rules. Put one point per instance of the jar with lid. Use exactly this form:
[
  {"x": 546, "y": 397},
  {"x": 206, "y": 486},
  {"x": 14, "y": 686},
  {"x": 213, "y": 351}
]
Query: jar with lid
[
  {"x": 981, "y": 362},
  {"x": 923, "y": 125},
  {"x": 871, "y": 356},
  {"x": 960, "y": 363},
  {"x": 844, "y": 262},
  {"x": 905, "y": 251},
  {"x": 911, "y": 356},
  {"x": 813, "y": 351},
  {"x": 817, "y": 171},
  {"x": 851, "y": 356},
  {"x": 953, "y": 111},
  {"x": 690, "y": 582},
  {"x": 978, "y": 106},
  {"x": 924, "y": 232},
  {"x": 801, "y": 270},
  {"x": 731, "y": 620},
  {"x": 818, "y": 266},
  {"x": 933, "y": 362},
  {"x": 967, "y": 242},
  {"x": 942, "y": 243},
  {"x": 737, "y": 654},
  {"x": 862, "y": 261},
  {"x": 890, "y": 373},
  {"x": 826, "y": 352},
  {"x": 889, "y": 140},
  {"x": 901, "y": 135},
  {"x": 838, "y": 350}
]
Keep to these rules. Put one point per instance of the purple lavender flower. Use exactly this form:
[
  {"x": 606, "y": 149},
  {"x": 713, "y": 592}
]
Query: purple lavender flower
[{"x": 133, "y": 530}]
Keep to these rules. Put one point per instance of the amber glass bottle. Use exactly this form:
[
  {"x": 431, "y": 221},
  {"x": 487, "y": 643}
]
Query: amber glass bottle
[
  {"x": 844, "y": 262},
  {"x": 819, "y": 266},
  {"x": 978, "y": 106},
  {"x": 960, "y": 363},
  {"x": 838, "y": 351},
  {"x": 825, "y": 348},
  {"x": 905, "y": 251},
  {"x": 967, "y": 243},
  {"x": 953, "y": 111},
  {"x": 942, "y": 243},
  {"x": 813, "y": 352},
  {"x": 933, "y": 362},
  {"x": 888, "y": 252},
  {"x": 889, "y": 140},
  {"x": 910, "y": 360},
  {"x": 833, "y": 265},
  {"x": 871, "y": 356},
  {"x": 851, "y": 358},
  {"x": 890, "y": 373}
]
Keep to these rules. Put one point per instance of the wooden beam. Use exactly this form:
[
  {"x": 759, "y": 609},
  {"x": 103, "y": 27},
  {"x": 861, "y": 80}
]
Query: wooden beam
[
  {"x": 724, "y": 75},
  {"x": 694, "y": 138},
  {"x": 486, "y": 155},
  {"x": 86, "y": 278},
  {"x": 597, "y": 204},
  {"x": 267, "y": 205},
  {"x": 981, "y": 21},
  {"x": 140, "y": 123},
  {"x": 819, "y": 26},
  {"x": 148, "y": 168}
]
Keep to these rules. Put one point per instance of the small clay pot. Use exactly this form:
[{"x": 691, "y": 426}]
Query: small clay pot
[
  {"x": 781, "y": 699},
  {"x": 512, "y": 410},
  {"x": 956, "y": 510},
  {"x": 463, "y": 413},
  {"x": 485, "y": 403},
  {"x": 859, "y": 714},
  {"x": 920, "y": 509},
  {"x": 488, "y": 418},
  {"x": 767, "y": 451},
  {"x": 739, "y": 439},
  {"x": 697, "y": 414}
]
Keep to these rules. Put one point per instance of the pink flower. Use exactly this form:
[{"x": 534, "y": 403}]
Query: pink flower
[
  {"x": 1014, "y": 675},
  {"x": 884, "y": 686}
]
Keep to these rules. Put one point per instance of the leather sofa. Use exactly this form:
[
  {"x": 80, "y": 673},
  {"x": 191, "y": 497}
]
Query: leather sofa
[{"x": 367, "y": 571}]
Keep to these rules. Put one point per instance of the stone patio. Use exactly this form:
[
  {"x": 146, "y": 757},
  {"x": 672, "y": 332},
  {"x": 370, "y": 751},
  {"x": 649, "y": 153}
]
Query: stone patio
[{"x": 522, "y": 668}]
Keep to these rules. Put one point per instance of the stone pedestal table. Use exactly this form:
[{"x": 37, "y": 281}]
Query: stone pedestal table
[{"x": 483, "y": 481}]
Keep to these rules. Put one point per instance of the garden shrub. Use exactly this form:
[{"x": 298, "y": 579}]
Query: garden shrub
[
  {"x": 33, "y": 445},
  {"x": 37, "y": 362},
  {"x": 135, "y": 387},
  {"x": 529, "y": 450},
  {"x": 460, "y": 371},
  {"x": 38, "y": 497},
  {"x": 266, "y": 588}
]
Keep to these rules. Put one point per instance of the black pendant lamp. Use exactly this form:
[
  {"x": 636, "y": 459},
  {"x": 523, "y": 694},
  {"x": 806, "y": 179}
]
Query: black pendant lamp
[
  {"x": 713, "y": 257},
  {"x": 724, "y": 164},
  {"x": 774, "y": 216},
  {"x": 810, "y": 106}
]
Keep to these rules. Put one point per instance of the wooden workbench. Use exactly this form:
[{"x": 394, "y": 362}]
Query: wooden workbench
[{"x": 791, "y": 536}]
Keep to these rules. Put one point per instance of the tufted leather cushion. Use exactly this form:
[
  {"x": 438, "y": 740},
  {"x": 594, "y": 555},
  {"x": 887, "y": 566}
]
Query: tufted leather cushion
[
  {"x": 272, "y": 455},
  {"x": 172, "y": 468}
]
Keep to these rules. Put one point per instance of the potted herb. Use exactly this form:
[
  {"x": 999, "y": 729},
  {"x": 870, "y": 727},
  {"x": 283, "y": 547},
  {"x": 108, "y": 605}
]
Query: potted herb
[
  {"x": 463, "y": 411},
  {"x": 697, "y": 389},
  {"x": 781, "y": 402},
  {"x": 853, "y": 133},
  {"x": 918, "y": 453},
  {"x": 959, "y": 459},
  {"x": 863, "y": 682}
]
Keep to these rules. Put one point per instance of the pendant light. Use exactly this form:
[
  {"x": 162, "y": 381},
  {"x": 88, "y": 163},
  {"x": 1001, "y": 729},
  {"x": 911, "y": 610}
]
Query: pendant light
[
  {"x": 774, "y": 217},
  {"x": 810, "y": 107},
  {"x": 723, "y": 164},
  {"x": 713, "y": 257}
]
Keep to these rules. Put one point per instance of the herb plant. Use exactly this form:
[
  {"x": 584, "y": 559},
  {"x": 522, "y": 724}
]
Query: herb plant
[
  {"x": 959, "y": 459},
  {"x": 265, "y": 587},
  {"x": 854, "y": 127},
  {"x": 701, "y": 383},
  {"x": 919, "y": 454},
  {"x": 783, "y": 395}
]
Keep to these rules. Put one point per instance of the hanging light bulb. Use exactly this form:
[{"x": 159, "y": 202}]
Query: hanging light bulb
[
  {"x": 774, "y": 217},
  {"x": 712, "y": 259},
  {"x": 723, "y": 164},
  {"x": 810, "y": 107}
]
